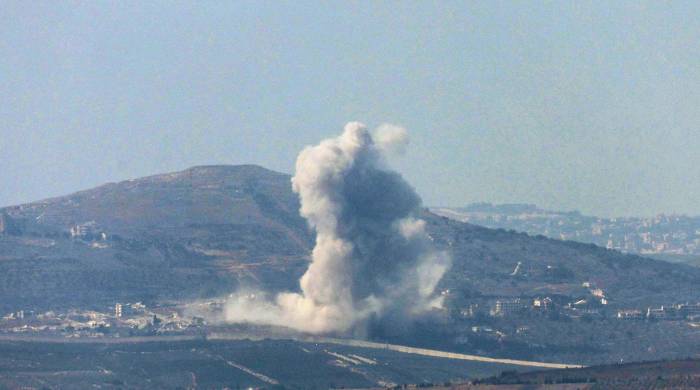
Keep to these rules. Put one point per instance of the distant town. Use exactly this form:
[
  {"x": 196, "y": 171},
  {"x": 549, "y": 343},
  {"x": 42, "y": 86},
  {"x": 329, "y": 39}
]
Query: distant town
[
  {"x": 660, "y": 236},
  {"x": 123, "y": 320}
]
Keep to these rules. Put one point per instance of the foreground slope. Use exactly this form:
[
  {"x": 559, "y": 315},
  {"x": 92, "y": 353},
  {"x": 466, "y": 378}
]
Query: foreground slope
[
  {"x": 674, "y": 374},
  {"x": 271, "y": 364}
]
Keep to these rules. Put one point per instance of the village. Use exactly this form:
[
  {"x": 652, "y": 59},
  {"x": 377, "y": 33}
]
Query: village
[
  {"x": 486, "y": 316},
  {"x": 125, "y": 320}
]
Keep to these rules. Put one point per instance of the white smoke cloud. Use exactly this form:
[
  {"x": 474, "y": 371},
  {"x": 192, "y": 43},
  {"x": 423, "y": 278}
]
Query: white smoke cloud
[
  {"x": 372, "y": 256},
  {"x": 391, "y": 138}
]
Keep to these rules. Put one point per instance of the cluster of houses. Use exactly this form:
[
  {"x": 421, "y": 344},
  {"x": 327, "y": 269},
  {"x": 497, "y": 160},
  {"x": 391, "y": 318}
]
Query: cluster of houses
[
  {"x": 125, "y": 319},
  {"x": 15, "y": 315},
  {"x": 595, "y": 304},
  {"x": 87, "y": 230},
  {"x": 674, "y": 312},
  {"x": 504, "y": 307}
]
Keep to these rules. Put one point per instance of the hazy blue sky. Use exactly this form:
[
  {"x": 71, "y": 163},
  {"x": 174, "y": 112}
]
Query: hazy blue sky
[{"x": 589, "y": 105}]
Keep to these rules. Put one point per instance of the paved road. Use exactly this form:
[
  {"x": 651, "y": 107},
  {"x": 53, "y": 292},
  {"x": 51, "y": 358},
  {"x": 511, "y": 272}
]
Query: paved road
[
  {"x": 449, "y": 355},
  {"x": 405, "y": 349},
  {"x": 322, "y": 340}
]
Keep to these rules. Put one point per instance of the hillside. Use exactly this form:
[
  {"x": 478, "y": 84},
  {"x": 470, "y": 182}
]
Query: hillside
[
  {"x": 485, "y": 261},
  {"x": 193, "y": 233},
  {"x": 205, "y": 231}
]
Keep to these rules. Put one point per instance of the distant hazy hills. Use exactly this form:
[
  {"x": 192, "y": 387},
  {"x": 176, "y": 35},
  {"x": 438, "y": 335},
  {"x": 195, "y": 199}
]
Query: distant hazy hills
[
  {"x": 668, "y": 237},
  {"x": 204, "y": 231}
]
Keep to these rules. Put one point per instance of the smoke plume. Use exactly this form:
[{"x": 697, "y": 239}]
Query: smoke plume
[{"x": 372, "y": 258}]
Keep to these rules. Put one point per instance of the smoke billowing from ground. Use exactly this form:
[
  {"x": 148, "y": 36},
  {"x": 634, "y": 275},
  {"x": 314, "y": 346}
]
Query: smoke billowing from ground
[{"x": 373, "y": 259}]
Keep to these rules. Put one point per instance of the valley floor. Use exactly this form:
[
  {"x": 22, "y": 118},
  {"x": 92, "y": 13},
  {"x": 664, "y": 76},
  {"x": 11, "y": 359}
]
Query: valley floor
[{"x": 198, "y": 363}]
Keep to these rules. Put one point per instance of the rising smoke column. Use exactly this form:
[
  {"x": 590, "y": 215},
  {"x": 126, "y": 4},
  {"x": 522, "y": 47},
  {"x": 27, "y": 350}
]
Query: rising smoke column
[{"x": 372, "y": 256}]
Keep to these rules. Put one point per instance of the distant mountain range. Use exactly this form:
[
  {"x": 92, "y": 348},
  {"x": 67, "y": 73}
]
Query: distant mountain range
[
  {"x": 207, "y": 230},
  {"x": 668, "y": 237}
]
